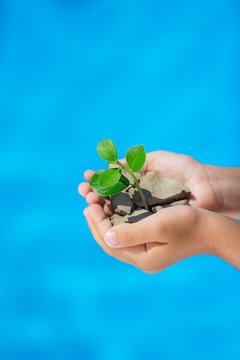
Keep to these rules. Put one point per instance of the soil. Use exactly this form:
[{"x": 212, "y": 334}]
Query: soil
[{"x": 160, "y": 192}]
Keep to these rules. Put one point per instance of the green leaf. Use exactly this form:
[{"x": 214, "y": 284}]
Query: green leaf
[
  {"x": 122, "y": 184},
  {"x": 135, "y": 157},
  {"x": 110, "y": 177},
  {"x": 107, "y": 150},
  {"x": 95, "y": 178}
]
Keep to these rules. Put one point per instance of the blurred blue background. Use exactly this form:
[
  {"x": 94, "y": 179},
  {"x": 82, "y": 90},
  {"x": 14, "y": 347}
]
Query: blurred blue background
[{"x": 72, "y": 72}]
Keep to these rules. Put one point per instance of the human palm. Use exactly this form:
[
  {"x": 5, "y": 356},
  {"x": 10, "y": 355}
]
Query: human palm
[
  {"x": 195, "y": 175},
  {"x": 174, "y": 233}
]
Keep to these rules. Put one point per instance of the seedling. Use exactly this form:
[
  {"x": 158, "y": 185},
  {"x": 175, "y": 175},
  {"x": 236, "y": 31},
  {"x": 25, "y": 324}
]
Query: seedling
[{"x": 112, "y": 181}]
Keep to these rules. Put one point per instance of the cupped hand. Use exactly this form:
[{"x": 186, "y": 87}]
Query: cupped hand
[
  {"x": 195, "y": 175},
  {"x": 174, "y": 233},
  {"x": 163, "y": 238},
  {"x": 158, "y": 241}
]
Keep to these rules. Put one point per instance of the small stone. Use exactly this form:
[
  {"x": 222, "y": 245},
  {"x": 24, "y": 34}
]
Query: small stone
[
  {"x": 137, "y": 200},
  {"x": 180, "y": 202},
  {"x": 156, "y": 208},
  {"x": 137, "y": 215},
  {"x": 131, "y": 190},
  {"x": 158, "y": 189},
  {"x": 117, "y": 219},
  {"x": 175, "y": 203},
  {"x": 122, "y": 203}
]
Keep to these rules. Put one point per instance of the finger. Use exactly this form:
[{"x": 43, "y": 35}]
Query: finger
[
  {"x": 107, "y": 208},
  {"x": 135, "y": 255},
  {"x": 94, "y": 232},
  {"x": 151, "y": 229},
  {"x": 88, "y": 175},
  {"x": 99, "y": 219},
  {"x": 170, "y": 164},
  {"x": 84, "y": 189},
  {"x": 93, "y": 198},
  {"x": 102, "y": 225},
  {"x": 100, "y": 216}
]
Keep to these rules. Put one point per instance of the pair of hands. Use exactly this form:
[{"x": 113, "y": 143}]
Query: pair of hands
[{"x": 171, "y": 234}]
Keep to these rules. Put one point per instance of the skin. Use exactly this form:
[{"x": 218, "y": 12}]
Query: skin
[{"x": 175, "y": 233}]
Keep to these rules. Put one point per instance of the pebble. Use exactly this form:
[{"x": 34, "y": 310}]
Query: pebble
[{"x": 122, "y": 203}]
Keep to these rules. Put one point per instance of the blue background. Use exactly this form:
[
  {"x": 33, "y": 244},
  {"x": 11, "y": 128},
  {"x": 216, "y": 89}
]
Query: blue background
[{"x": 161, "y": 73}]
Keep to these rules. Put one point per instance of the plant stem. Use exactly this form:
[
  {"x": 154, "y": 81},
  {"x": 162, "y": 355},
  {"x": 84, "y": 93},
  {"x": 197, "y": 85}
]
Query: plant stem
[{"x": 130, "y": 172}]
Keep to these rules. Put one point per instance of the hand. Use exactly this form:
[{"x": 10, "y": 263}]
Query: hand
[
  {"x": 173, "y": 233},
  {"x": 166, "y": 237},
  {"x": 195, "y": 175}
]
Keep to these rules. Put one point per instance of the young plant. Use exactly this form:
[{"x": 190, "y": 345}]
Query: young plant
[{"x": 112, "y": 181}]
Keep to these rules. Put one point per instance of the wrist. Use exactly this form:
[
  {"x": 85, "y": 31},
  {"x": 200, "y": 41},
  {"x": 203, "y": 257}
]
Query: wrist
[
  {"x": 207, "y": 233},
  {"x": 216, "y": 185},
  {"x": 225, "y": 239},
  {"x": 225, "y": 184}
]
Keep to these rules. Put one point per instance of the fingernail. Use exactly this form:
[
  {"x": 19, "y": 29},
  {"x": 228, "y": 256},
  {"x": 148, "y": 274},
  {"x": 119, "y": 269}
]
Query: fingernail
[{"x": 110, "y": 239}]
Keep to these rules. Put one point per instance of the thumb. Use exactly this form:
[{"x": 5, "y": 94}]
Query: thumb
[{"x": 127, "y": 235}]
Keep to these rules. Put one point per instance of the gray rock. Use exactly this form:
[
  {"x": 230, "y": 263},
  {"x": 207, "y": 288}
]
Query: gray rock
[
  {"x": 158, "y": 189},
  {"x": 137, "y": 215},
  {"x": 131, "y": 191},
  {"x": 117, "y": 219},
  {"x": 156, "y": 208},
  {"x": 179, "y": 202},
  {"x": 137, "y": 200},
  {"x": 122, "y": 203}
]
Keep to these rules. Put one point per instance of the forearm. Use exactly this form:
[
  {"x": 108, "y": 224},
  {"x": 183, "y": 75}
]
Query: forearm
[
  {"x": 226, "y": 184},
  {"x": 225, "y": 239}
]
